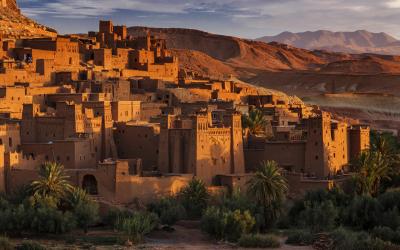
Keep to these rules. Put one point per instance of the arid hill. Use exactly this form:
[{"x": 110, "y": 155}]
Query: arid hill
[
  {"x": 240, "y": 53},
  {"x": 244, "y": 56},
  {"x": 14, "y": 24},
  {"x": 360, "y": 41}
]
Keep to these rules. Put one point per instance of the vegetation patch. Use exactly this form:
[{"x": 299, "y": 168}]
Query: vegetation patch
[{"x": 259, "y": 241}]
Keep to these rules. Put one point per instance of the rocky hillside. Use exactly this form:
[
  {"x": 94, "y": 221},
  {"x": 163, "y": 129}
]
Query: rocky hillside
[
  {"x": 360, "y": 41},
  {"x": 215, "y": 54},
  {"x": 14, "y": 24},
  {"x": 237, "y": 55}
]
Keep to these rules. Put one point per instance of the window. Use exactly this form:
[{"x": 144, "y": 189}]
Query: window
[
  {"x": 316, "y": 157},
  {"x": 10, "y": 142}
]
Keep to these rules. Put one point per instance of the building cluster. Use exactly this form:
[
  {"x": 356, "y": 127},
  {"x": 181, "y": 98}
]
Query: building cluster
[{"x": 126, "y": 123}]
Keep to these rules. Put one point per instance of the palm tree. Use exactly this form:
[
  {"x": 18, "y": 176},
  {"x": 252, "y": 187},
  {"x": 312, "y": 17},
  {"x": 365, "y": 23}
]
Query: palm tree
[
  {"x": 387, "y": 149},
  {"x": 268, "y": 188},
  {"x": 255, "y": 122},
  {"x": 52, "y": 182},
  {"x": 371, "y": 168}
]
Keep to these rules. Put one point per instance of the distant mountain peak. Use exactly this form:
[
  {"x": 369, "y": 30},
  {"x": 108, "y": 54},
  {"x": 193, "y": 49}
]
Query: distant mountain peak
[{"x": 359, "y": 41}]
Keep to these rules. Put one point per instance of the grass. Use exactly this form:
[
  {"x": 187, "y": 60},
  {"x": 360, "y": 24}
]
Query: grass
[
  {"x": 300, "y": 238},
  {"x": 259, "y": 241}
]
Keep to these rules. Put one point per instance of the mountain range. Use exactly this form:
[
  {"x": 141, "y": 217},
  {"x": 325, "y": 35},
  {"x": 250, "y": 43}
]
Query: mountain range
[{"x": 360, "y": 41}]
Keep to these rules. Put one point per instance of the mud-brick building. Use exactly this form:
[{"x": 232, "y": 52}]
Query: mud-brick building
[
  {"x": 324, "y": 149},
  {"x": 196, "y": 145}
]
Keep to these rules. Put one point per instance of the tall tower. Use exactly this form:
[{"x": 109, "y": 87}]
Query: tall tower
[
  {"x": 148, "y": 40},
  {"x": 234, "y": 120},
  {"x": 319, "y": 137}
]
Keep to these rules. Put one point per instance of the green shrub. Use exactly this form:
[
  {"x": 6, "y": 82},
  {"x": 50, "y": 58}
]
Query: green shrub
[
  {"x": 169, "y": 210},
  {"x": 334, "y": 200},
  {"x": 214, "y": 222},
  {"x": 300, "y": 238},
  {"x": 115, "y": 214},
  {"x": 136, "y": 226},
  {"x": 30, "y": 245},
  {"x": 391, "y": 218},
  {"x": 364, "y": 213},
  {"x": 383, "y": 233},
  {"x": 349, "y": 240},
  {"x": 46, "y": 218},
  {"x": 319, "y": 216},
  {"x": 237, "y": 201},
  {"x": 225, "y": 224},
  {"x": 390, "y": 199},
  {"x": 84, "y": 209},
  {"x": 259, "y": 241},
  {"x": 194, "y": 198},
  {"x": 5, "y": 243}
]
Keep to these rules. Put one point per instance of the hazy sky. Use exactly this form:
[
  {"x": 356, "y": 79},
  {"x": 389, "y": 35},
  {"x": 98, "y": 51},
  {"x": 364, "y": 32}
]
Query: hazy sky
[{"x": 244, "y": 18}]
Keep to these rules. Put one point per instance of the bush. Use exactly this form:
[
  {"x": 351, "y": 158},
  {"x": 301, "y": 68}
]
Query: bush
[
  {"x": 169, "y": 210},
  {"x": 115, "y": 214},
  {"x": 390, "y": 199},
  {"x": 136, "y": 226},
  {"x": 84, "y": 209},
  {"x": 334, "y": 200},
  {"x": 237, "y": 201},
  {"x": 30, "y": 245},
  {"x": 364, "y": 213},
  {"x": 194, "y": 198},
  {"x": 345, "y": 239},
  {"x": 5, "y": 243},
  {"x": 300, "y": 238},
  {"x": 383, "y": 233},
  {"x": 259, "y": 241},
  {"x": 386, "y": 234},
  {"x": 226, "y": 224},
  {"x": 319, "y": 216},
  {"x": 47, "y": 218},
  {"x": 391, "y": 218}
]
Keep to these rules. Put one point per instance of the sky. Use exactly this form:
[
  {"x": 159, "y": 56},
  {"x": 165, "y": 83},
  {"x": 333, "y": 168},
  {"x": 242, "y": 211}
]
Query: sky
[{"x": 243, "y": 18}]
